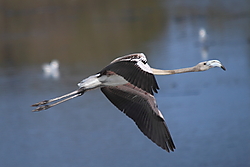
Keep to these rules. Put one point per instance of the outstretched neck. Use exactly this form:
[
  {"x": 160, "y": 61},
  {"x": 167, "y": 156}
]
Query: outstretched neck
[{"x": 176, "y": 71}]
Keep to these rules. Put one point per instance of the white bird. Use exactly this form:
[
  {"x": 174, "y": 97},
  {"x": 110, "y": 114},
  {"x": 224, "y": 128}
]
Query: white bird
[
  {"x": 51, "y": 69},
  {"x": 129, "y": 82},
  {"x": 204, "y": 43},
  {"x": 202, "y": 35}
]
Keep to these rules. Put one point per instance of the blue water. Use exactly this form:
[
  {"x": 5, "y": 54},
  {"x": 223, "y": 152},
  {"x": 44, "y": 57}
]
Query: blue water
[{"x": 206, "y": 112}]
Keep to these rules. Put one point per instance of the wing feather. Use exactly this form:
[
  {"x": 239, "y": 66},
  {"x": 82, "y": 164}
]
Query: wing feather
[
  {"x": 133, "y": 74},
  {"x": 140, "y": 106}
]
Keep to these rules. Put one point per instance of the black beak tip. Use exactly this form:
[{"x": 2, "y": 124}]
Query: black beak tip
[{"x": 223, "y": 68}]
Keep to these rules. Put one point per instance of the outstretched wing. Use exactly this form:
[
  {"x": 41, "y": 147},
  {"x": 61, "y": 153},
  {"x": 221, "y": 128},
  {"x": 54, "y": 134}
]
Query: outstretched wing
[
  {"x": 141, "y": 107},
  {"x": 134, "y": 69}
]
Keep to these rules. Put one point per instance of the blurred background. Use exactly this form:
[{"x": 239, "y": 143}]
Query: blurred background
[{"x": 206, "y": 112}]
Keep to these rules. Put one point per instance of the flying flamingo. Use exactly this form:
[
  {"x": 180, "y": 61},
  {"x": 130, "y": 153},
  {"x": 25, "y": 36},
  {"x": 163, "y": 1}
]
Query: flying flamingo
[{"x": 129, "y": 83}]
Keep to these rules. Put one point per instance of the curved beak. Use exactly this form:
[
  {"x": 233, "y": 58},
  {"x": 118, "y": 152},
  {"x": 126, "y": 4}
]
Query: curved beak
[
  {"x": 223, "y": 68},
  {"x": 216, "y": 63}
]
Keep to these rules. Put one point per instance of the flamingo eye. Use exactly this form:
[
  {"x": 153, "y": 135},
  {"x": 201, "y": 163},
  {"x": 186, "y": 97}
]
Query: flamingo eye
[{"x": 205, "y": 63}]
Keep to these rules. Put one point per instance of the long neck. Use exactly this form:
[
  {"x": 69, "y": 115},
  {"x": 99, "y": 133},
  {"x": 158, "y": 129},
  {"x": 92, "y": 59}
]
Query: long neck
[{"x": 177, "y": 71}]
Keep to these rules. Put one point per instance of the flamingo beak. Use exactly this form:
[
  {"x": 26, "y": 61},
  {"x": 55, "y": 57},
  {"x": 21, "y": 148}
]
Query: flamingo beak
[
  {"x": 223, "y": 68},
  {"x": 216, "y": 63}
]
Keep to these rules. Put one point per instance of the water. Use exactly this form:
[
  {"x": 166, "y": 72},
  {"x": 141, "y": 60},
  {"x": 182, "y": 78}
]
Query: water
[{"x": 207, "y": 112}]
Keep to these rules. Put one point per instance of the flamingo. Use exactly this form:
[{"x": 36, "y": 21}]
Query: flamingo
[{"x": 129, "y": 83}]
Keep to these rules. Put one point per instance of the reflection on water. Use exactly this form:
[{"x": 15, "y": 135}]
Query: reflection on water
[
  {"x": 204, "y": 44},
  {"x": 207, "y": 112}
]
